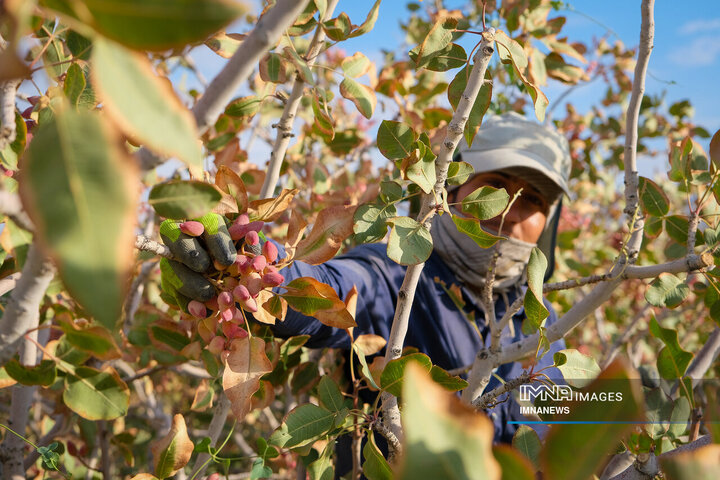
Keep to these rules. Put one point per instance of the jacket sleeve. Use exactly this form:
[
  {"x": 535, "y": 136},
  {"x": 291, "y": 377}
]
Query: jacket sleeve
[{"x": 374, "y": 276}]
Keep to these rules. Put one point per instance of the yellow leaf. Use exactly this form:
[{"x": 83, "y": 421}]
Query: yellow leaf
[
  {"x": 172, "y": 452},
  {"x": 245, "y": 363}
]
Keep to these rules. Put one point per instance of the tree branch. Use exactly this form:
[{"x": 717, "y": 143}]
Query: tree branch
[
  {"x": 222, "y": 409},
  {"x": 264, "y": 36},
  {"x": 391, "y": 412},
  {"x": 22, "y": 311},
  {"x": 487, "y": 400},
  {"x": 285, "y": 125},
  {"x": 144, "y": 243},
  {"x": 7, "y": 112},
  {"x": 10, "y": 205}
]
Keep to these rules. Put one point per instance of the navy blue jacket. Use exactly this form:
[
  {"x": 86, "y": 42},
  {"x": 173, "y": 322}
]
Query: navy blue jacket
[{"x": 437, "y": 328}]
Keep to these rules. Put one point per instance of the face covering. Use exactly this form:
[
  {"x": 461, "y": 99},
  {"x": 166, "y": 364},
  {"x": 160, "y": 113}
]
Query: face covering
[{"x": 469, "y": 262}]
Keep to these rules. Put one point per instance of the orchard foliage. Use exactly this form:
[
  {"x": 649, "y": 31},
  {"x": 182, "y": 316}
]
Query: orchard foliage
[{"x": 135, "y": 380}]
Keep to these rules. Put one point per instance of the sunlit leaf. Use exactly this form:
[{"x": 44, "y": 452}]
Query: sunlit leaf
[
  {"x": 143, "y": 105},
  {"x": 225, "y": 44},
  {"x": 355, "y": 66},
  {"x": 370, "y": 222},
  {"x": 230, "y": 182},
  {"x": 477, "y": 112},
  {"x": 361, "y": 95},
  {"x": 471, "y": 228},
  {"x": 527, "y": 442},
  {"x": 485, "y": 202},
  {"x": 313, "y": 298},
  {"x": 395, "y": 139},
  {"x": 410, "y": 242},
  {"x": 459, "y": 172},
  {"x": 338, "y": 28},
  {"x": 78, "y": 185},
  {"x": 375, "y": 466},
  {"x": 173, "y": 451},
  {"x": 269, "y": 209},
  {"x": 302, "y": 425},
  {"x": 43, "y": 373},
  {"x": 392, "y": 376},
  {"x": 273, "y": 68},
  {"x": 245, "y": 363},
  {"x": 332, "y": 226},
  {"x": 369, "y": 22},
  {"x": 435, "y": 42}
]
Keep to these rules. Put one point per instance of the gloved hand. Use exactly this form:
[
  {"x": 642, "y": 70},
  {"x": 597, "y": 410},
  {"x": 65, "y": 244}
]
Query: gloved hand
[
  {"x": 202, "y": 248},
  {"x": 189, "y": 242}
]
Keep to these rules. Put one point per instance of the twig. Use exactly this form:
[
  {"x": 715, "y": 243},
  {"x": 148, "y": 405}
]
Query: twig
[
  {"x": 487, "y": 400},
  {"x": 391, "y": 412},
  {"x": 264, "y": 36},
  {"x": 61, "y": 424},
  {"x": 393, "y": 441},
  {"x": 144, "y": 243},
  {"x": 8, "y": 283},
  {"x": 285, "y": 125},
  {"x": 214, "y": 430},
  {"x": 135, "y": 295},
  {"x": 22, "y": 311}
]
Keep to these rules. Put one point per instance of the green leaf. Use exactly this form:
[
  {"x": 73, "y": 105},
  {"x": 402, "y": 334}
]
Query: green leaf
[
  {"x": 142, "y": 104},
  {"x": 444, "y": 439},
  {"x": 452, "y": 56},
  {"x": 183, "y": 199},
  {"x": 410, "y": 242},
  {"x": 527, "y": 442},
  {"x": 672, "y": 361},
  {"x": 79, "y": 188},
  {"x": 369, "y": 22},
  {"x": 370, "y": 222},
  {"x": 667, "y": 290},
  {"x": 511, "y": 52},
  {"x": 677, "y": 227},
  {"x": 260, "y": 470},
  {"x": 41, "y": 374},
  {"x": 375, "y": 466},
  {"x": 514, "y": 466},
  {"x": 329, "y": 394},
  {"x": 338, "y": 28},
  {"x": 364, "y": 366},
  {"x": 151, "y": 24},
  {"x": 658, "y": 411},
  {"x": 459, "y": 172},
  {"x": 300, "y": 64},
  {"x": 575, "y": 451},
  {"x": 392, "y": 375},
  {"x": 395, "y": 139},
  {"x": 680, "y": 418},
  {"x": 225, "y": 45},
  {"x": 361, "y": 95},
  {"x": 390, "y": 191},
  {"x": 303, "y": 425},
  {"x": 447, "y": 381},
  {"x": 272, "y": 68},
  {"x": 485, "y": 202},
  {"x": 311, "y": 297},
  {"x": 435, "y": 42},
  {"x": 243, "y": 107},
  {"x": 652, "y": 199},
  {"x": 322, "y": 468},
  {"x": 715, "y": 149},
  {"x": 96, "y": 395},
  {"x": 419, "y": 168},
  {"x": 578, "y": 370},
  {"x": 74, "y": 83},
  {"x": 482, "y": 102},
  {"x": 355, "y": 66},
  {"x": 472, "y": 229},
  {"x": 535, "y": 310}
]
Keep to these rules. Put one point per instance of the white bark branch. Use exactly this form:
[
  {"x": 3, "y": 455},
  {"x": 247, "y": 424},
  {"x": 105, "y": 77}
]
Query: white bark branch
[
  {"x": 10, "y": 205},
  {"x": 22, "y": 311},
  {"x": 264, "y": 36},
  {"x": 391, "y": 412},
  {"x": 7, "y": 112},
  {"x": 285, "y": 125},
  {"x": 220, "y": 414},
  {"x": 22, "y": 314},
  {"x": 488, "y": 399},
  {"x": 144, "y": 243},
  {"x": 633, "y": 473}
]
